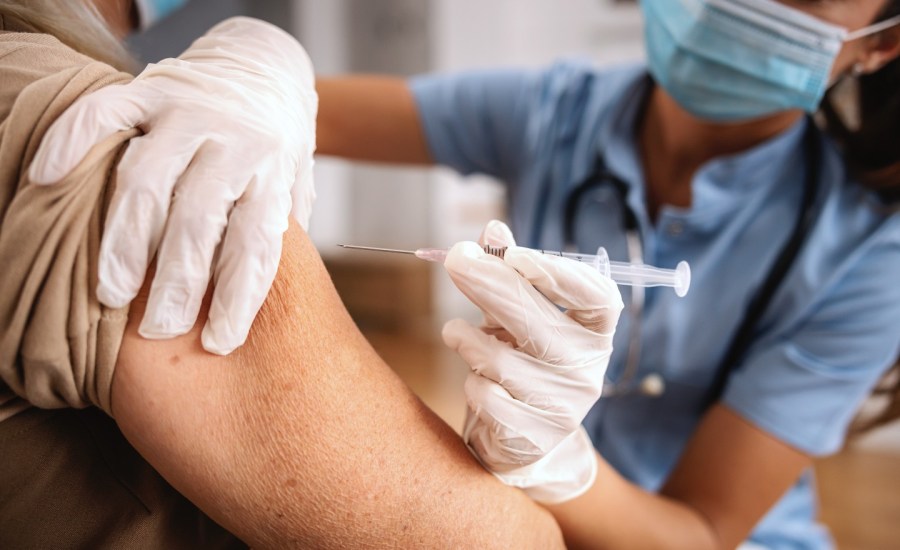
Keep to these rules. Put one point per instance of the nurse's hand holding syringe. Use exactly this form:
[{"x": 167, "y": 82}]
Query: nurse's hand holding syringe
[
  {"x": 536, "y": 365},
  {"x": 623, "y": 273}
]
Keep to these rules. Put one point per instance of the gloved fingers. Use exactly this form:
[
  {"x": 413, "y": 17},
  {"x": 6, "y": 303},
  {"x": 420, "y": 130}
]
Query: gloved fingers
[
  {"x": 495, "y": 233},
  {"x": 565, "y": 473},
  {"x": 498, "y": 452},
  {"x": 248, "y": 262},
  {"x": 92, "y": 119},
  {"x": 203, "y": 198},
  {"x": 496, "y": 360},
  {"x": 590, "y": 298},
  {"x": 514, "y": 429},
  {"x": 137, "y": 213},
  {"x": 538, "y": 326},
  {"x": 247, "y": 39},
  {"x": 562, "y": 395}
]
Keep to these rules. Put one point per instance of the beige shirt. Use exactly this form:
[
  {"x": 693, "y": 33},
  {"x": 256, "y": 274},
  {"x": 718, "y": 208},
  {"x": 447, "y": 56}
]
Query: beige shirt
[{"x": 58, "y": 345}]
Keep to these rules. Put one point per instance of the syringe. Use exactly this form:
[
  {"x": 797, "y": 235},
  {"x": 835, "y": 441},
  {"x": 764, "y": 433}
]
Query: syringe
[{"x": 623, "y": 273}]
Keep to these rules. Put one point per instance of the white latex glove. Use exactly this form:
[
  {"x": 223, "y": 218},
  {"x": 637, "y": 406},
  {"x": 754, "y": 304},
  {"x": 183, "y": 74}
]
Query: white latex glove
[
  {"x": 229, "y": 134},
  {"x": 536, "y": 370}
]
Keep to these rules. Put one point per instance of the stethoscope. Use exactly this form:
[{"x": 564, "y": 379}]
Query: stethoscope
[{"x": 654, "y": 384}]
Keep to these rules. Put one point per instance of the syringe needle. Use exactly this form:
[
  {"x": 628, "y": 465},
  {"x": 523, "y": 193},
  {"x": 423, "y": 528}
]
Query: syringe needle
[
  {"x": 374, "y": 249},
  {"x": 623, "y": 273}
]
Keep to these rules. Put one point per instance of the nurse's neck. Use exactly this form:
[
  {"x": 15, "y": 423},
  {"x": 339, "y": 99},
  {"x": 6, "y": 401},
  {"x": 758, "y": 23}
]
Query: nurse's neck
[{"x": 674, "y": 145}]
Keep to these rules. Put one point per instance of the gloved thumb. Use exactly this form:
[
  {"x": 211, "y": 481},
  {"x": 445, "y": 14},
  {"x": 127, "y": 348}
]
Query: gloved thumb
[
  {"x": 495, "y": 233},
  {"x": 86, "y": 123}
]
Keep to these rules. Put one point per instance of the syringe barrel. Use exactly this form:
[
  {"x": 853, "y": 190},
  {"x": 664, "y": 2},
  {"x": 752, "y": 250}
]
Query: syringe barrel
[
  {"x": 635, "y": 274},
  {"x": 647, "y": 276},
  {"x": 641, "y": 274},
  {"x": 599, "y": 261},
  {"x": 622, "y": 273}
]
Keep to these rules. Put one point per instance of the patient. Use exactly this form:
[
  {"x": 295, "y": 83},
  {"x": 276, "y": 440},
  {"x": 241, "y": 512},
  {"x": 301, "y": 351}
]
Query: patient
[{"x": 301, "y": 438}]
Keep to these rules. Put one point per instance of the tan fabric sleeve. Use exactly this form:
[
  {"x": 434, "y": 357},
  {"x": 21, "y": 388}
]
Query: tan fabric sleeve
[{"x": 58, "y": 345}]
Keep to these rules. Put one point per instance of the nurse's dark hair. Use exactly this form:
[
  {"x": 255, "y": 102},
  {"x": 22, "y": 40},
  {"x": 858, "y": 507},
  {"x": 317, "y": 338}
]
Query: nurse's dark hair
[
  {"x": 866, "y": 120},
  {"x": 872, "y": 151}
]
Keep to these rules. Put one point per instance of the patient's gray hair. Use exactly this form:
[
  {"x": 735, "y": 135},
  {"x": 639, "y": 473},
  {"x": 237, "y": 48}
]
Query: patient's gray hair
[{"x": 76, "y": 23}]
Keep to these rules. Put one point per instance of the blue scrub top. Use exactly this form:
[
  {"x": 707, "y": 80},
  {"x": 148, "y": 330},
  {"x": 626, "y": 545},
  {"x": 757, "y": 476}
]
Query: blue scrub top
[{"x": 826, "y": 338}]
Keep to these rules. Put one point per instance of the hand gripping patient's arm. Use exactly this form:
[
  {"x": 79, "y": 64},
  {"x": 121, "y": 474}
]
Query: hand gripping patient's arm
[{"x": 304, "y": 437}]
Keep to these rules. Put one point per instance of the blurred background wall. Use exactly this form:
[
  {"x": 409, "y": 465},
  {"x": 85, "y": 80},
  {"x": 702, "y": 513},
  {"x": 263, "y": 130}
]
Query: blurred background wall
[{"x": 399, "y": 303}]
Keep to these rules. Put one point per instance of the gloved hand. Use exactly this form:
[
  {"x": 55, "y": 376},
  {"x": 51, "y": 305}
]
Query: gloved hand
[
  {"x": 536, "y": 370},
  {"x": 229, "y": 134}
]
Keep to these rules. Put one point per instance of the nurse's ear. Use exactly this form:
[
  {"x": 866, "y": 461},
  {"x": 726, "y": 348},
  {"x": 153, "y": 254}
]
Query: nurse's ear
[{"x": 878, "y": 50}]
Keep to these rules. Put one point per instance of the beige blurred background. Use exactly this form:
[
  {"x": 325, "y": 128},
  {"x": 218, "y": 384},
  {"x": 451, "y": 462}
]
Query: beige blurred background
[{"x": 400, "y": 303}]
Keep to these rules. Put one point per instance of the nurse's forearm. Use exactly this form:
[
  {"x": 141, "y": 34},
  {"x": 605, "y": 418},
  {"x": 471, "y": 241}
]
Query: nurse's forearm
[
  {"x": 614, "y": 513},
  {"x": 730, "y": 474},
  {"x": 370, "y": 118}
]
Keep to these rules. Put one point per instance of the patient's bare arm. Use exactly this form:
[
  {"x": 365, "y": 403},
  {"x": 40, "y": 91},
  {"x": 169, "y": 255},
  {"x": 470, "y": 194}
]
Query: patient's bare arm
[{"x": 304, "y": 437}]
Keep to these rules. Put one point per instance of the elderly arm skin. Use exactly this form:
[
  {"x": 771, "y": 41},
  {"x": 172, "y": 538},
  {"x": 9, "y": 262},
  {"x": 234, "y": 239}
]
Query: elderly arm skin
[
  {"x": 729, "y": 476},
  {"x": 304, "y": 437}
]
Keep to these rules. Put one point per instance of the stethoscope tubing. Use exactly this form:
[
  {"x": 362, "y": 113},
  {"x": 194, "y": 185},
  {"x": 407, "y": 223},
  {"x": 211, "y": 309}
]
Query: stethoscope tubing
[{"x": 653, "y": 384}]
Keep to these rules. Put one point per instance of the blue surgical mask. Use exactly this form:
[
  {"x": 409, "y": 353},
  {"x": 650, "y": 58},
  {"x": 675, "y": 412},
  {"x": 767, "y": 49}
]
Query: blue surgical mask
[
  {"x": 152, "y": 11},
  {"x": 730, "y": 60}
]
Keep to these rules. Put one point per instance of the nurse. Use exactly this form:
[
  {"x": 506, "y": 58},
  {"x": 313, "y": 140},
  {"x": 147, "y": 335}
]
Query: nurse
[{"x": 707, "y": 154}]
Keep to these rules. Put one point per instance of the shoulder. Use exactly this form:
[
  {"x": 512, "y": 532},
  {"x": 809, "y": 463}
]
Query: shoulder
[
  {"x": 575, "y": 74},
  {"x": 564, "y": 86},
  {"x": 32, "y": 50},
  {"x": 844, "y": 277},
  {"x": 850, "y": 265},
  {"x": 573, "y": 104},
  {"x": 577, "y": 86},
  {"x": 36, "y": 68},
  {"x": 28, "y": 57}
]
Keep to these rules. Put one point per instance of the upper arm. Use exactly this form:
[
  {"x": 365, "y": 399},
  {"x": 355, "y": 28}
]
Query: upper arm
[
  {"x": 805, "y": 385},
  {"x": 793, "y": 397},
  {"x": 732, "y": 473},
  {"x": 304, "y": 437}
]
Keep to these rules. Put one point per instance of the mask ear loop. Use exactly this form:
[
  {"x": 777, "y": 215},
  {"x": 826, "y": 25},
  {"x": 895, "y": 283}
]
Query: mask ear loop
[
  {"x": 873, "y": 29},
  {"x": 858, "y": 69},
  {"x": 844, "y": 91}
]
